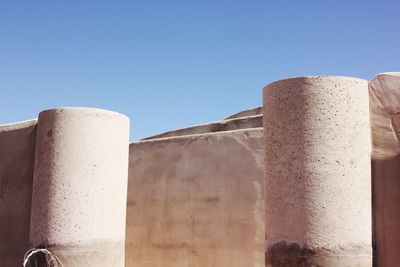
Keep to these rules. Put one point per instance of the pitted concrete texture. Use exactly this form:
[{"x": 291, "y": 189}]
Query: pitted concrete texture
[
  {"x": 219, "y": 126},
  {"x": 318, "y": 187},
  {"x": 17, "y": 151},
  {"x": 197, "y": 201},
  {"x": 385, "y": 125},
  {"x": 80, "y": 186}
]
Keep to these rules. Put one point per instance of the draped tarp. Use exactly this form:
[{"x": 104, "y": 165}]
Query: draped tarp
[{"x": 384, "y": 91}]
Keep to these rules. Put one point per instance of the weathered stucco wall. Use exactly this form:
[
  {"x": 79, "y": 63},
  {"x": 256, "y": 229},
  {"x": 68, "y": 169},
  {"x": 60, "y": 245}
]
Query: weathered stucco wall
[
  {"x": 220, "y": 225},
  {"x": 197, "y": 201},
  {"x": 17, "y": 152},
  {"x": 196, "y": 195}
]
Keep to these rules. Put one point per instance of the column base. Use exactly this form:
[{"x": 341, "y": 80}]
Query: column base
[
  {"x": 99, "y": 254},
  {"x": 285, "y": 254}
]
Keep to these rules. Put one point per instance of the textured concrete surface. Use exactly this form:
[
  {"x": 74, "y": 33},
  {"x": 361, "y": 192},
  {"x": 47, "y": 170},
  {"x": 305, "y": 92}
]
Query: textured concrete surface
[
  {"x": 385, "y": 125},
  {"x": 318, "y": 175},
  {"x": 80, "y": 186},
  {"x": 17, "y": 151},
  {"x": 197, "y": 201},
  {"x": 219, "y": 126}
]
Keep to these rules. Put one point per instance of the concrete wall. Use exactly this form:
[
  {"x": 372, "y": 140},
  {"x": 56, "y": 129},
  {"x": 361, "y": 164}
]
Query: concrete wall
[
  {"x": 192, "y": 201},
  {"x": 17, "y": 152},
  {"x": 197, "y": 201},
  {"x": 196, "y": 194}
]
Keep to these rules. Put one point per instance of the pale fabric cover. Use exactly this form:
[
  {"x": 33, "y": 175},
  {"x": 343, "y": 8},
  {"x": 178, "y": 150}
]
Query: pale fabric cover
[{"x": 385, "y": 124}]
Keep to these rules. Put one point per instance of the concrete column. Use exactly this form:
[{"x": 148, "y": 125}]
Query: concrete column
[
  {"x": 318, "y": 175},
  {"x": 80, "y": 186},
  {"x": 385, "y": 125}
]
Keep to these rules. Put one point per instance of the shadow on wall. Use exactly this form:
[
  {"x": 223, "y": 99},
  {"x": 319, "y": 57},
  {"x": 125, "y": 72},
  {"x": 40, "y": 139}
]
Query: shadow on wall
[
  {"x": 17, "y": 152},
  {"x": 386, "y": 184}
]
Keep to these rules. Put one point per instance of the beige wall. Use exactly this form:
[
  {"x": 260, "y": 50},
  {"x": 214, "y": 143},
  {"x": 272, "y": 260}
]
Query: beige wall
[
  {"x": 197, "y": 201},
  {"x": 17, "y": 152},
  {"x": 220, "y": 225},
  {"x": 193, "y": 200}
]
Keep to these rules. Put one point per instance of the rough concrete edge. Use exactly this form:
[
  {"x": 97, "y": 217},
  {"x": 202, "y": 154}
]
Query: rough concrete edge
[
  {"x": 31, "y": 122},
  {"x": 17, "y": 125},
  {"x": 244, "y": 113},
  {"x": 91, "y": 109},
  {"x": 222, "y": 122},
  {"x": 198, "y": 136},
  {"x": 314, "y": 77}
]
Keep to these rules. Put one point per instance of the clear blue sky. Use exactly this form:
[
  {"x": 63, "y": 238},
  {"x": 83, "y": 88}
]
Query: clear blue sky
[{"x": 170, "y": 64}]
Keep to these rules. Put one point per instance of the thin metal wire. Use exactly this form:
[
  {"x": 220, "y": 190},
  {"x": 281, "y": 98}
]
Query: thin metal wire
[{"x": 51, "y": 260}]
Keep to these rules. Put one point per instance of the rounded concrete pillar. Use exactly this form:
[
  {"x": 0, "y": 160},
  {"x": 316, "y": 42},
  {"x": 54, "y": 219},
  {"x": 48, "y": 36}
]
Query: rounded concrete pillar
[
  {"x": 318, "y": 175},
  {"x": 385, "y": 124},
  {"x": 80, "y": 186}
]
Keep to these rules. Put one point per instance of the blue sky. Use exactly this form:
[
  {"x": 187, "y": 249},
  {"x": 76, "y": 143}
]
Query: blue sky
[{"x": 171, "y": 64}]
